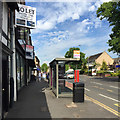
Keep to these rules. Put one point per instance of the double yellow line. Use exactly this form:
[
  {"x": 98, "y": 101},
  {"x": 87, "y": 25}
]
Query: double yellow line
[{"x": 104, "y": 106}]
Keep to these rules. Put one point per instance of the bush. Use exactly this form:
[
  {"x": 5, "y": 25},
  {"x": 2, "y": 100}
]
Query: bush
[
  {"x": 113, "y": 74},
  {"x": 86, "y": 71},
  {"x": 100, "y": 71},
  {"x": 118, "y": 73},
  {"x": 103, "y": 71}
]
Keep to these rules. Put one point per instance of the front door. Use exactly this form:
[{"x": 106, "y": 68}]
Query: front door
[{"x": 5, "y": 92}]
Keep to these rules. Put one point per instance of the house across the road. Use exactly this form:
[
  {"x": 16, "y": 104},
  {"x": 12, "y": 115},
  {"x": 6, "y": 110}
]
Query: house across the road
[{"x": 98, "y": 59}]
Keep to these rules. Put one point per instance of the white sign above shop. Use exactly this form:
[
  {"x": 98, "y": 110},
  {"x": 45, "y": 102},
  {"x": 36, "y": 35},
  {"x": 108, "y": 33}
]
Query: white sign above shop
[{"x": 26, "y": 16}]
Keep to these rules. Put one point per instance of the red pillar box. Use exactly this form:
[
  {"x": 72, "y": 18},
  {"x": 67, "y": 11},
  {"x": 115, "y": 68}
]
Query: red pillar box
[{"x": 75, "y": 76}]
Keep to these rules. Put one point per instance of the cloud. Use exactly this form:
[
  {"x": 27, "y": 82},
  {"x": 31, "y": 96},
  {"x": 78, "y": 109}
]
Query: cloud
[
  {"x": 61, "y": 40},
  {"x": 62, "y": 25},
  {"x": 58, "y": 13},
  {"x": 92, "y": 8}
]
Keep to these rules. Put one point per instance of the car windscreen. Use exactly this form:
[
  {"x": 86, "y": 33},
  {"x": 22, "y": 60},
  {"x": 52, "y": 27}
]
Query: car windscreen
[{"x": 70, "y": 73}]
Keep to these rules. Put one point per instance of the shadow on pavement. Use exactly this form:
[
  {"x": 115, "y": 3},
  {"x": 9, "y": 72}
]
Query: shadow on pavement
[{"x": 31, "y": 102}]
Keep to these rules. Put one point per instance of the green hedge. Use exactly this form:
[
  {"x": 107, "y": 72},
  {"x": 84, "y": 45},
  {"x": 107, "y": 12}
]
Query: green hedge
[{"x": 112, "y": 74}]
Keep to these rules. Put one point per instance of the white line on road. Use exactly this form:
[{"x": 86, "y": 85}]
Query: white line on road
[
  {"x": 114, "y": 87},
  {"x": 109, "y": 97},
  {"x": 97, "y": 83},
  {"x": 87, "y": 89}
]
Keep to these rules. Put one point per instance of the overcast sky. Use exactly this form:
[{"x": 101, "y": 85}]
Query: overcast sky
[{"x": 61, "y": 25}]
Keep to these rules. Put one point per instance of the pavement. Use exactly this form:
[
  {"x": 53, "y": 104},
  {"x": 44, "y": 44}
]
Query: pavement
[{"x": 38, "y": 101}]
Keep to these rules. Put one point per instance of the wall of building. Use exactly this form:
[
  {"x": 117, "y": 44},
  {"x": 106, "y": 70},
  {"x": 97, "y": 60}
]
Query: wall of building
[
  {"x": 104, "y": 57},
  {"x": 5, "y": 22},
  {"x": 1, "y": 59}
]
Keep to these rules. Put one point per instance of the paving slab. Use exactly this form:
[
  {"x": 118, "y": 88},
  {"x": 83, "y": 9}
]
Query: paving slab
[
  {"x": 66, "y": 108},
  {"x": 31, "y": 102},
  {"x": 37, "y": 101}
]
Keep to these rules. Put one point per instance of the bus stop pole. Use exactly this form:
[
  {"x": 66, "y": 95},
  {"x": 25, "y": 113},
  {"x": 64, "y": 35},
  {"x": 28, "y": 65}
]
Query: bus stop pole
[{"x": 57, "y": 79}]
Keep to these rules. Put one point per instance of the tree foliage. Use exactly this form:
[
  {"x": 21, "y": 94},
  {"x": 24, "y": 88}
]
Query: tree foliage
[
  {"x": 104, "y": 66},
  {"x": 66, "y": 67},
  {"x": 95, "y": 64},
  {"x": 80, "y": 64},
  {"x": 111, "y": 11},
  {"x": 44, "y": 67}
]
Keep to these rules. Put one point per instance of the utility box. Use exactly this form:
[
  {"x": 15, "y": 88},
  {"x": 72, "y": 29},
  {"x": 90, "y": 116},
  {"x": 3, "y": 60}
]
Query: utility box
[{"x": 78, "y": 92}]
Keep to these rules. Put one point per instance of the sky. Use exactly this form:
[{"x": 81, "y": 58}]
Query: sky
[{"x": 64, "y": 24}]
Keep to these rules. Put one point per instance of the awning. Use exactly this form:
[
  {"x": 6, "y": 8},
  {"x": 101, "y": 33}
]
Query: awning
[{"x": 38, "y": 69}]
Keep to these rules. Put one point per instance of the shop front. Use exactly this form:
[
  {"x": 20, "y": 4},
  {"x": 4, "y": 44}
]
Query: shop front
[{"x": 20, "y": 67}]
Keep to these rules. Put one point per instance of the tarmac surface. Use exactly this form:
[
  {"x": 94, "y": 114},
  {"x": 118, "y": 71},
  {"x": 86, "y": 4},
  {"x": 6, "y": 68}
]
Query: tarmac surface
[{"x": 37, "y": 101}]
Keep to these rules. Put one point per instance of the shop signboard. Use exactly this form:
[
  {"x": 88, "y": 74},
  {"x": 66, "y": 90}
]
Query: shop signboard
[
  {"x": 29, "y": 52},
  {"x": 76, "y": 54},
  {"x": 26, "y": 17}
]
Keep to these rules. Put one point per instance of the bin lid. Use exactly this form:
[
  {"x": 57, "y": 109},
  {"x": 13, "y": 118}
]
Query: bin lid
[{"x": 78, "y": 84}]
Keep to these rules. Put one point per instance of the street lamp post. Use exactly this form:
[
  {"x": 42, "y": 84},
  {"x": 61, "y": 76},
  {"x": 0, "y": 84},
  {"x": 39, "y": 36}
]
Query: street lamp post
[
  {"x": 76, "y": 64},
  {"x": 88, "y": 65}
]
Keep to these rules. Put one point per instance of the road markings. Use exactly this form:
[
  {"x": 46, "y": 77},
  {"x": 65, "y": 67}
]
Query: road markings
[
  {"x": 101, "y": 88},
  {"x": 87, "y": 89},
  {"x": 95, "y": 86},
  {"x": 109, "y": 90},
  {"x": 97, "y": 83},
  {"x": 109, "y": 97},
  {"x": 117, "y": 105},
  {"x": 114, "y": 87},
  {"x": 104, "y": 106}
]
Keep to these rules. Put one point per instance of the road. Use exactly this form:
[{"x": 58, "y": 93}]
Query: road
[{"x": 103, "y": 92}]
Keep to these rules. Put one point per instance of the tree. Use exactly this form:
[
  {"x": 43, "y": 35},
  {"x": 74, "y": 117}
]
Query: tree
[
  {"x": 66, "y": 67},
  {"x": 80, "y": 64},
  {"x": 44, "y": 67},
  {"x": 96, "y": 65},
  {"x": 111, "y": 11},
  {"x": 104, "y": 66}
]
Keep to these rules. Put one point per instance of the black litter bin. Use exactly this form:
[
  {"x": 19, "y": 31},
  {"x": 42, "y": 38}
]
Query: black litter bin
[{"x": 78, "y": 92}]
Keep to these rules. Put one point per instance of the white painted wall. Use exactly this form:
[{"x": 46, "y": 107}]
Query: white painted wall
[{"x": 5, "y": 22}]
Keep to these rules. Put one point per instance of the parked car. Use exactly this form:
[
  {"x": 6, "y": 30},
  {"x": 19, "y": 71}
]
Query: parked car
[{"x": 69, "y": 75}]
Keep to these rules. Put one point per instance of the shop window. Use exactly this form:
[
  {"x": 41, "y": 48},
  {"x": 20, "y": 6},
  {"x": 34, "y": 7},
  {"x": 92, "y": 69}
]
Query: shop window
[
  {"x": 22, "y": 72},
  {"x": 18, "y": 72}
]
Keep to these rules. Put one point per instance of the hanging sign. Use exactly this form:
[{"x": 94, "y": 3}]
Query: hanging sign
[
  {"x": 29, "y": 52},
  {"x": 26, "y": 16}
]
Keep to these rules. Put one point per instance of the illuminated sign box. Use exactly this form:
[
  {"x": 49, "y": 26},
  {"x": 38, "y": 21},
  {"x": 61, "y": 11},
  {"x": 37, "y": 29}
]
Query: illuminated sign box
[{"x": 76, "y": 54}]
